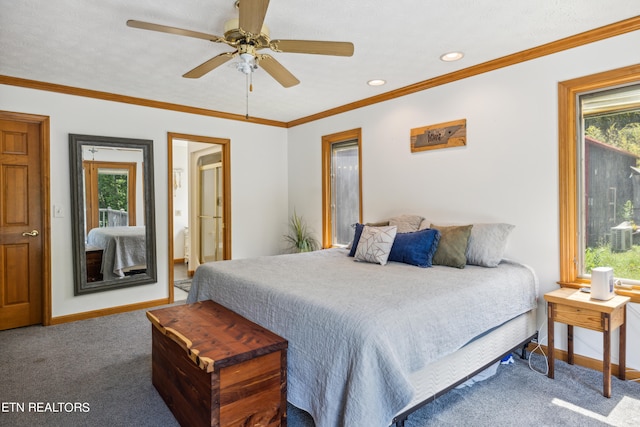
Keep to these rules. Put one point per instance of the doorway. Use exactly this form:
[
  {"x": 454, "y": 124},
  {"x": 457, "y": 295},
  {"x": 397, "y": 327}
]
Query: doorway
[
  {"x": 25, "y": 282},
  {"x": 210, "y": 244},
  {"x": 199, "y": 204}
]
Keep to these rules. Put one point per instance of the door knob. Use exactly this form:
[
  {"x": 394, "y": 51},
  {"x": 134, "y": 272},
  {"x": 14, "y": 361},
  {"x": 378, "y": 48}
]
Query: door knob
[{"x": 32, "y": 233}]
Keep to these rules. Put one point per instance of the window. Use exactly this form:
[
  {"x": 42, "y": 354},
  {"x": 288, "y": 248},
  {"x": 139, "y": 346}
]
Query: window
[
  {"x": 599, "y": 123},
  {"x": 341, "y": 187},
  {"x": 110, "y": 194}
]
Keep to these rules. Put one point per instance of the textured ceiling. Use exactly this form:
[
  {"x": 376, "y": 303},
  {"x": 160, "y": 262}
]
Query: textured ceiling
[{"x": 86, "y": 44}]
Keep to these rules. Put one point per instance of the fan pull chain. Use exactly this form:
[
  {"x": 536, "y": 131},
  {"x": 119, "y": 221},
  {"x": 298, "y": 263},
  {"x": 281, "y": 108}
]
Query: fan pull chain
[
  {"x": 249, "y": 89},
  {"x": 247, "y": 112}
]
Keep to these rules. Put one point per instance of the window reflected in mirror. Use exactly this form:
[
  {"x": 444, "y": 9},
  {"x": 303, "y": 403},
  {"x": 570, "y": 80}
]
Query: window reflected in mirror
[{"x": 110, "y": 193}]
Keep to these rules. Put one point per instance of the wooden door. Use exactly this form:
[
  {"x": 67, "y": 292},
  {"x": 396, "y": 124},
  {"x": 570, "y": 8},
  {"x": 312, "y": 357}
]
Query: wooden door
[{"x": 21, "y": 220}]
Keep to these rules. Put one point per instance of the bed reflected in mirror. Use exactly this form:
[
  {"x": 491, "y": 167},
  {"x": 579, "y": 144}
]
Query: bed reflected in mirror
[{"x": 113, "y": 212}]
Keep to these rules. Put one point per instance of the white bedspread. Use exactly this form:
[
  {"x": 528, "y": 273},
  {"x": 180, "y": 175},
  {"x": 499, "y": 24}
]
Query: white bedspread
[
  {"x": 123, "y": 248},
  {"x": 357, "y": 330}
]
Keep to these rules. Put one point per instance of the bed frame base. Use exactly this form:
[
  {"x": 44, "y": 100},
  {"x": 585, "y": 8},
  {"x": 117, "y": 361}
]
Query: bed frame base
[{"x": 400, "y": 418}]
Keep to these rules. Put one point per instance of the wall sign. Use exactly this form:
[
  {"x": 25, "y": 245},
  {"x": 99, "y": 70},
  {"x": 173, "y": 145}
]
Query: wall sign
[{"x": 442, "y": 135}]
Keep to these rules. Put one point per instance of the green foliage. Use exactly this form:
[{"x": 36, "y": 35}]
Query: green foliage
[
  {"x": 627, "y": 211},
  {"x": 624, "y": 264},
  {"x": 622, "y": 130},
  {"x": 113, "y": 191},
  {"x": 300, "y": 239}
]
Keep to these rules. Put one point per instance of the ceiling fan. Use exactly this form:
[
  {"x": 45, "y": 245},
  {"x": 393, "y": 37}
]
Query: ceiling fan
[{"x": 248, "y": 35}]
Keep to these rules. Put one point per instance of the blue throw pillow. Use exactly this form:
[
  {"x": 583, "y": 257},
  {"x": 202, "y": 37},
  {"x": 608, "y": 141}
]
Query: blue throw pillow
[
  {"x": 356, "y": 239},
  {"x": 416, "y": 248}
]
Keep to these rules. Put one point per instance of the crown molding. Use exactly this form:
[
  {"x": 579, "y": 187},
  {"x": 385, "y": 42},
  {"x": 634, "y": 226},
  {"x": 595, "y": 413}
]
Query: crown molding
[
  {"x": 89, "y": 93},
  {"x": 601, "y": 33}
]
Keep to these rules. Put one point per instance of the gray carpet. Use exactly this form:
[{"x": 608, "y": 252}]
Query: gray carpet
[{"x": 97, "y": 372}]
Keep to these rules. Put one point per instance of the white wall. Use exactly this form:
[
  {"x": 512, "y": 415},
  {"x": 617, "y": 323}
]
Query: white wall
[
  {"x": 259, "y": 206},
  {"x": 507, "y": 172}
]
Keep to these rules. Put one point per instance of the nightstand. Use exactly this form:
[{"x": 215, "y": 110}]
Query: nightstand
[
  {"x": 94, "y": 264},
  {"x": 576, "y": 308}
]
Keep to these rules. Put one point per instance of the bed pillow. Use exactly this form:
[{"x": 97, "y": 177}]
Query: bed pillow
[
  {"x": 452, "y": 248},
  {"x": 487, "y": 244},
  {"x": 375, "y": 244},
  {"x": 406, "y": 223},
  {"x": 378, "y": 224},
  {"x": 356, "y": 239},
  {"x": 416, "y": 248},
  {"x": 424, "y": 224},
  {"x": 356, "y": 236}
]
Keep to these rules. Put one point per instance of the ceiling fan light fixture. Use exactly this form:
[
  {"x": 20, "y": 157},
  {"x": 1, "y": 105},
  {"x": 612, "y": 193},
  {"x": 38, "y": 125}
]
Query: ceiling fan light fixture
[
  {"x": 246, "y": 57},
  {"x": 376, "y": 82},
  {"x": 247, "y": 65},
  {"x": 451, "y": 56}
]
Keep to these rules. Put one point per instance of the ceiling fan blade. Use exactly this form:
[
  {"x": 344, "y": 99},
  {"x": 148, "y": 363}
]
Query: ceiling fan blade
[
  {"x": 173, "y": 30},
  {"x": 209, "y": 65},
  {"x": 277, "y": 71},
  {"x": 313, "y": 47},
  {"x": 252, "y": 13}
]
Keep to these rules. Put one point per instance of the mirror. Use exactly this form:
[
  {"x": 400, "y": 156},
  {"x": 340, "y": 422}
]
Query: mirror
[{"x": 112, "y": 200}]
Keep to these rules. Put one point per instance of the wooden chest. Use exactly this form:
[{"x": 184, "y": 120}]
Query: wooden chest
[{"x": 213, "y": 367}]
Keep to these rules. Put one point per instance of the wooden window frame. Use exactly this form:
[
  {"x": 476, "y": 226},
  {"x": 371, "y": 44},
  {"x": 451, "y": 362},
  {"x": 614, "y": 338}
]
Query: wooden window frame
[
  {"x": 327, "y": 143},
  {"x": 91, "y": 182},
  {"x": 568, "y": 92}
]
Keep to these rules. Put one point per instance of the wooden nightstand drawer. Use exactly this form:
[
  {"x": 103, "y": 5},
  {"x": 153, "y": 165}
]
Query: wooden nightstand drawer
[{"x": 584, "y": 318}]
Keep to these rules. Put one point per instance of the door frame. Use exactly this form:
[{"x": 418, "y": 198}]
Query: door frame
[
  {"x": 226, "y": 176},
  {"x": 45, "y": 273}
]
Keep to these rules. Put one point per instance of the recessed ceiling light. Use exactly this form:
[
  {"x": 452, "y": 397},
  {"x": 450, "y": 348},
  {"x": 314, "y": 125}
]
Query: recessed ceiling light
[
  {"x": 376, "y": 82},
  {"x": 452, "y": 56}
]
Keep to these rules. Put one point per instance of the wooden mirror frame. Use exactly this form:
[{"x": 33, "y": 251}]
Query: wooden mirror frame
[{"x": 82, "y": 285}]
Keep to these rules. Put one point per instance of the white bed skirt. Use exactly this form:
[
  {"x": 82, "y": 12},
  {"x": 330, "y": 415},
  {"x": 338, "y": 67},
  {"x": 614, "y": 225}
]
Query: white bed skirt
[{"x": 465, "y": 363}]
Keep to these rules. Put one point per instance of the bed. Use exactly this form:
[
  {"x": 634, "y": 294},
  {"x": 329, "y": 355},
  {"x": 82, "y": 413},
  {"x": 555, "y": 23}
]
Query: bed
[
  {"x": 123, "y": 249},
  {"x": 368, "y": 344}
]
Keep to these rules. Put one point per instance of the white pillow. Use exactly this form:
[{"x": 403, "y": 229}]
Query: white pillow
[
  {"x": 406, "y": 223},
  {"x": 487, "y": 244},
  {"x": 375, "y": 244}
]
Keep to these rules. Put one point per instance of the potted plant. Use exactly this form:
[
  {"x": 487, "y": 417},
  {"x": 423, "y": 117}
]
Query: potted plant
[{"x": 299, "y": 238}]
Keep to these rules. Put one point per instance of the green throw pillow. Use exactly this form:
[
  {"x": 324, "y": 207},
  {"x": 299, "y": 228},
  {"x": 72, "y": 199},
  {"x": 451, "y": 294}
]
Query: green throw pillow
[{"x": 452, "y": 247}]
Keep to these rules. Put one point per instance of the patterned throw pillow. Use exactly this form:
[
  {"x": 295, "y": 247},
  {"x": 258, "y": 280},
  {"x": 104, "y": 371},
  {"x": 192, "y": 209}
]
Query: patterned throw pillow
[
  {"x": 375, "y": 244},
  {"x": 358, "y": 231}
]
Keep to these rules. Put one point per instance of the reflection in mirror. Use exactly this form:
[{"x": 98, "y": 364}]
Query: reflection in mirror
[{"x": 114, "y": 220}]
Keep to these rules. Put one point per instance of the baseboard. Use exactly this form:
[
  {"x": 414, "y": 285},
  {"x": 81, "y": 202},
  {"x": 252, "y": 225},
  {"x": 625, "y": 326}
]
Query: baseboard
[
  {"x": 107, "y": 311},
  {"x": 588, "y": 362}
]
